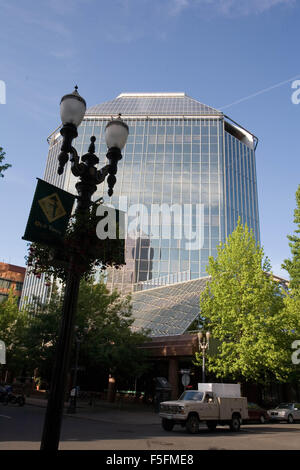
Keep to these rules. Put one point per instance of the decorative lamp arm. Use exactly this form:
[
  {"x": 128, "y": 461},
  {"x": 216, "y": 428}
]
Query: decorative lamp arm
[
  {"x": 102, "y": 173},
  {"x": 76, "y": 167},
  {"x": 68, "y": 132}
]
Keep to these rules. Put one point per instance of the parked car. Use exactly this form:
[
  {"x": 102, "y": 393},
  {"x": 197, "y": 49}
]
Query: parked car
[
  {"x": 288, "y": 412},
  {"x": 257, "y": 413}
]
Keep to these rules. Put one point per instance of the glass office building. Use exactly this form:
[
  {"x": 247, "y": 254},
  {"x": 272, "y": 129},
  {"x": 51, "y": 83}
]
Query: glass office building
[{"x": 187, "y": 174}]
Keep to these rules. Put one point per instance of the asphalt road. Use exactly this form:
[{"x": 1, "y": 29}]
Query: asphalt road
[{"x": 21, "y": 428}]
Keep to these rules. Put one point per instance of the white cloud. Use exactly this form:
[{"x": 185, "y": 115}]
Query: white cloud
[
  {"x": 230, "y": 8},
  {"x": 248, "y": 7},
  {"x": 177, "y": 6},
  {"x": 35, "y": 18}
]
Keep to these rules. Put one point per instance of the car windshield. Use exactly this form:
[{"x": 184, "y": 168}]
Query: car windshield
[
  {"x": 196, "y": 396},
  {"x": 287, "y": 406}
]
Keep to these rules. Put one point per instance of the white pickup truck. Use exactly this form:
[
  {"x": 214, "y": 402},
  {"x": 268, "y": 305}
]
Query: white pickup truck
[{"x": 214, "y": 404}]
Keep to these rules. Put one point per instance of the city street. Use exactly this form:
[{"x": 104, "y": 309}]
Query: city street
[{"x": 113, "y": 429}]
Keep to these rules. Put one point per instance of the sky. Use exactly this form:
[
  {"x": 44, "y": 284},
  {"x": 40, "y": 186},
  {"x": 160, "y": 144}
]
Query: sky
[{"x": 239, "y": 56}]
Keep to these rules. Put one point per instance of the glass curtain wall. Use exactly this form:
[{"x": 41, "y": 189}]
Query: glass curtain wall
[
  {"x": 190, "y": 166},
  {"x": 241, "y": 185},
  {"x": 175, "y": 162}
]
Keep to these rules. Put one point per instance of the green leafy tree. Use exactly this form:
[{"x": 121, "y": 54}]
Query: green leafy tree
[
  {"x": 103, "y": 318},
  {"x": 12, "y": 326},
  {"x": 109, "y": 343},
  {"x": 41, "y": 333},
  {"x": 292, "y": 265},
  {"x": 3, "y": 166},
  {"x": 242, "y": 306}
]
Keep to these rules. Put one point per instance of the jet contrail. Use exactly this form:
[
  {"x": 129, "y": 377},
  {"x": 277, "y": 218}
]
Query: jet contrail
[{"x": 259, "y": 92}]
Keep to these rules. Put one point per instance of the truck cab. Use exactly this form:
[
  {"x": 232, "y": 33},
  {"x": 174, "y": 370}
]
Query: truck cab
[{"x": 214, "y": 404}]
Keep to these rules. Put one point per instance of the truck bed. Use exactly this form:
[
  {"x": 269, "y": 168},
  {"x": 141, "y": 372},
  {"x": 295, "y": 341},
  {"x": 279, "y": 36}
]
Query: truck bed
[{"x": 228, "y": 406}]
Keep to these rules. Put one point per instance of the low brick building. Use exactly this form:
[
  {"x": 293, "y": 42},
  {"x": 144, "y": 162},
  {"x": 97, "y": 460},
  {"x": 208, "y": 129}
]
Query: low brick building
[{"x": 11, "y": 277}]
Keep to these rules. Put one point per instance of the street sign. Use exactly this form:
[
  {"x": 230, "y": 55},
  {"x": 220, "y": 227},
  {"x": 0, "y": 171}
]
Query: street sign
[
  {"x": 185, "y": 380},
  {"x": 185, "y": 371},
  {"x": 49, "y": 215},
  {"x": 52, "y": 207}
]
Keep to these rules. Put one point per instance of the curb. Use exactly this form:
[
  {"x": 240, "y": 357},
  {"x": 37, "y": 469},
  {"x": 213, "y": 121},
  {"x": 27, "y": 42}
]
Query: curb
[{"x": 138, "y": 419}]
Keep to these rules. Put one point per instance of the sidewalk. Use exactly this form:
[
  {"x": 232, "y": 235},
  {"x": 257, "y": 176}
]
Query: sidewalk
[{"x": 107, "y": 412}]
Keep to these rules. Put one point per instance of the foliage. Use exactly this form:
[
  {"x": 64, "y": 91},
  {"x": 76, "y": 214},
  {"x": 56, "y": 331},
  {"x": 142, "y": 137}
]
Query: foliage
[
  {"x": 109, "y": 342},
  {"x": 80, "y": 248},
  {"x": 292, "y": 265},
  {"x": 12, "y": 324},
  {"x": 103, "y": 319},
  {"x": 242, "y": 306},
  {"x": 41, "y": 333},
  {"x": 4, "y": 166}
]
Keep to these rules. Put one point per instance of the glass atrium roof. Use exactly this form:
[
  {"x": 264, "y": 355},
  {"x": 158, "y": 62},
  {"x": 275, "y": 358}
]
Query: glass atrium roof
[
  {"x": 167, "y": 310},
  {"x": 157, "y": 104}
]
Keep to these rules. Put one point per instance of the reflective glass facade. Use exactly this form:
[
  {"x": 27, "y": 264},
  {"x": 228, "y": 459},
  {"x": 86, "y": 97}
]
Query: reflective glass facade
[
  {"x": 240, "y": 185},
  {"x": 175, "y": 162},
  {"x": 181, "y": 154}
]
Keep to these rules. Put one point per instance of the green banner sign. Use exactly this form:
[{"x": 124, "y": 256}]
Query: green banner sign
[{"x": 49, "y": 215}]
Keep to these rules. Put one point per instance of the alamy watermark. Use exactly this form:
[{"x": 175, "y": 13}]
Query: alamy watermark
[
  {"x": 296, "y": 354},
  {"x": 296, "y": 94},
  {"x": 2, "y": 352},
  {"x": 155, "y": 221},
  {"x": 2, "y": 92}
]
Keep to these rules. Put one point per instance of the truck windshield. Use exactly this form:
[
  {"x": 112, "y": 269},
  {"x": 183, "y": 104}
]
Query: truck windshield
[{"x": 190, "y": 395}]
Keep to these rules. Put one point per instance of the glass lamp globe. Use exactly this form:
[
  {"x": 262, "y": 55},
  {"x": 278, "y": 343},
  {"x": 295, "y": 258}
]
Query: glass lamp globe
[
  {"x": 116, "y": 133},
  {"x": 200, "y": 335},
  {"x": 72, "y": 108}
]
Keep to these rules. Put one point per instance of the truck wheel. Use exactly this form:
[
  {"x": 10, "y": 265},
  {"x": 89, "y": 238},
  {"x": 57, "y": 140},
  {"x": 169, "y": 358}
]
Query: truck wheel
[
  {"x": 235, "y": 423},
  {"x": 192, "y": 424},
  {"x": 167, "y": 424},
  {"x": 211, "y": 425}
]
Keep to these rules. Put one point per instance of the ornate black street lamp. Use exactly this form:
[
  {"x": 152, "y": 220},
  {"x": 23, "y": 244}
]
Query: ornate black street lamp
[
  {"x": 72, "y": 110},
  {"x": 203, "y": 346}
]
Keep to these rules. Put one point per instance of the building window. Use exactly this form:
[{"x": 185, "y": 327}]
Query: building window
[
  {"x": 4, "y": 283},
  {"x": 19, "y": 286}
]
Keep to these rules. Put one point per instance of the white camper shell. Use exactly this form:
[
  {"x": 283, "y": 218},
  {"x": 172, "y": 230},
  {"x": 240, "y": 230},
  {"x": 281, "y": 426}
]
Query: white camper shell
[
  {"x": 221, "y": 390},
  {"x": 213, "y": 403}
]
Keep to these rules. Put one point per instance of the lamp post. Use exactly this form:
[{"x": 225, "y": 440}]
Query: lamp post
[
  {"x": 72, "y": 110},
  {"x": 73, "y": 398},
  {"x": 203, "y": 346}
]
